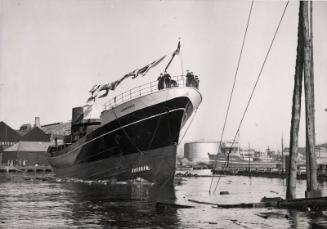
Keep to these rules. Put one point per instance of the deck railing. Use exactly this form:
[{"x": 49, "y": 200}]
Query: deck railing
[{"x": 141, "y": 90}]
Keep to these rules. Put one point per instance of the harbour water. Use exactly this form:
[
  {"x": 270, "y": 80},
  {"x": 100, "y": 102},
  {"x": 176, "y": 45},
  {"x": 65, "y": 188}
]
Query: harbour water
[{"x": 56, "y": 203}]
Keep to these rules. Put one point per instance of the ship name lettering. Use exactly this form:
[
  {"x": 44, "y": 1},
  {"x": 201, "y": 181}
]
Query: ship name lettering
[
  {"x": 128, "y": 107},
  {"x": 141, "y": 169}
]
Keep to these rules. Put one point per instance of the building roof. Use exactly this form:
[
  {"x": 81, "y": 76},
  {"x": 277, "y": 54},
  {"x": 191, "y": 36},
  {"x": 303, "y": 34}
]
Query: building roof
[
  {"x": 36, "y": 135},
  {"x": 61, "y": 128},
  {"x": 8, "y": 134},
  {"x": 29, "y": 146}
]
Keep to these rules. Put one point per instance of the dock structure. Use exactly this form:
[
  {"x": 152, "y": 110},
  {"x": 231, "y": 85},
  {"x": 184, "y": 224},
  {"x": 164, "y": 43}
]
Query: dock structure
[
  {"x": 303, "y": 204},
  {"x": 303, "y": 72},
  {"x": 26, "y": 169}
]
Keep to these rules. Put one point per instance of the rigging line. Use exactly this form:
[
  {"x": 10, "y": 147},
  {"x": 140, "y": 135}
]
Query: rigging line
[
  {"x": 181, "y": 59},
  {"x": 234, "y": 82},
  {"x": 155, "y": 131},
  {"x": 159, "y": 120},
  {"x": 259, "y": 75},
  {"x": 187, "y": 127},
  {"x": 126, "y": 134}
]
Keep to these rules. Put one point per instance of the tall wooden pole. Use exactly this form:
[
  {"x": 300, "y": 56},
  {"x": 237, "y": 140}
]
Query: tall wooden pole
[
  {"x": 282, "y": 154},
  {"x": 311, "y": 164},
  {"x": 296, "y": 114}
]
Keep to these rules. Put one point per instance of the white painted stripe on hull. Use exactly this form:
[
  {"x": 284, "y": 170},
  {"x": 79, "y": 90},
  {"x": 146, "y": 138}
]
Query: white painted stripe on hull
[{"x": 151, "y": 99}]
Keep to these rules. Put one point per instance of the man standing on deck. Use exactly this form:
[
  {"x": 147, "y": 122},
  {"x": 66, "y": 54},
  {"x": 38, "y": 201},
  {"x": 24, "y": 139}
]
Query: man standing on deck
[{"x": 161, "y": 82}]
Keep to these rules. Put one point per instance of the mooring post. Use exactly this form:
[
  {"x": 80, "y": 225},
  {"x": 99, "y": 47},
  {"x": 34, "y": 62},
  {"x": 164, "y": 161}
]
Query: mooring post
[
  {"x": 296, "y": 114},
  {"x": 283, "y": 155},
  {"x": 311, "y": 164}
]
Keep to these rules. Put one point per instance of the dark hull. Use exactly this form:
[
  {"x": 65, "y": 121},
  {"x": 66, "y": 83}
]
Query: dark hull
[
  {"x": 140, "y": 144},
  {"x": 156, "y": 165}
]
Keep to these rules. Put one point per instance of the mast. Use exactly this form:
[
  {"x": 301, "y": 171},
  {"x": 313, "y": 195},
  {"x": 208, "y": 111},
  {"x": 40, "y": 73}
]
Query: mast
[{"x": 176, "y": 52}]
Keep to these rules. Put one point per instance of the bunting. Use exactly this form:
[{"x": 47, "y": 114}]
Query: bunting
[
  {"x": 87, "y": 109},
  {"x": 109, "y": 86},
  {"x": 96, "y": 89},
  {"x": 144, "y": 70}
]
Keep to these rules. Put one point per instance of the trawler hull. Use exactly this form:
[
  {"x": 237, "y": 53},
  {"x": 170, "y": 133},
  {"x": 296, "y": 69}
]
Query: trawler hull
[
  {"x": 157, "y": 165},
  {"x": 138, "y": 139}
]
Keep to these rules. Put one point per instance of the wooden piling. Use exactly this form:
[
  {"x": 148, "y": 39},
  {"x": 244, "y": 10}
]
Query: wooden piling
[
  {"x": 296, "y": 115},
  {"x": 312, "y": 184}
]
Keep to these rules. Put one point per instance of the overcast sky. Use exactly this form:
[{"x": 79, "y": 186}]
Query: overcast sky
[{"x": 53, "y": 51}]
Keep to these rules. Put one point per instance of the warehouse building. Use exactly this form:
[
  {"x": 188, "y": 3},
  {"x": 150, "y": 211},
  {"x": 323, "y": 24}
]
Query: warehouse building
[
  {"x": 26, "y": 153},
  {"x": 8, "y": 136},
  {"x": 26, "y": 146}
]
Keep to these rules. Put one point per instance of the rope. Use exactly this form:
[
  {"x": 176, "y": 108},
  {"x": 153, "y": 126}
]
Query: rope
[
  {"x": 187, "y": 127},
  {"x": 258, "y": 77},
  {"x": 126, "y": 134},
  {"x": 141, "y": 153},
  {"x": 154, "y": 133},
  {"x": 181, "y": 60},
  {"x": 233, "y": 87}
]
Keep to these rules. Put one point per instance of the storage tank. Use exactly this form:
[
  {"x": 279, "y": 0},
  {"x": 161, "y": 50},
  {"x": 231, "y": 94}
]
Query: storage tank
[{"x": 198, "y": 151}]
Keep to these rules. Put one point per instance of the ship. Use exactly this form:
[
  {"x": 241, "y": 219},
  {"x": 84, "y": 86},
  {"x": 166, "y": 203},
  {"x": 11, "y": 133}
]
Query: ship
[{"x": 136, "y": 135}]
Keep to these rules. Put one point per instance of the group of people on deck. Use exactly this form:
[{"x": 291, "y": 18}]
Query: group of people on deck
[
  {"x": 165, "y": 80},
  {"x": 192, "y": 80}
]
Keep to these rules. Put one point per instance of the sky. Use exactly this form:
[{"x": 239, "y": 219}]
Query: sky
[{"x": 53, "y": 51}]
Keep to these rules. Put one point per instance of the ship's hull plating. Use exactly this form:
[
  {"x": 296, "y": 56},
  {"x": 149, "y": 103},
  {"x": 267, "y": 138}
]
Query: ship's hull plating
[{"x": 141, "y": 143}]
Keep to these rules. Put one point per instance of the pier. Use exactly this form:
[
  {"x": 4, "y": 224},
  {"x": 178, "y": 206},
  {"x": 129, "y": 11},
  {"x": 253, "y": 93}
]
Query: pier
[{"x": 26, "y": 169}]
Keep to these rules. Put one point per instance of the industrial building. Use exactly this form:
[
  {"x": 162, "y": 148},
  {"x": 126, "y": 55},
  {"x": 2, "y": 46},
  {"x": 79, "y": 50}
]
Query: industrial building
[
  {"x": 26, "y": 146},
  {"x": 8, "y": 136},
  {"x": 26, "y": 153}
]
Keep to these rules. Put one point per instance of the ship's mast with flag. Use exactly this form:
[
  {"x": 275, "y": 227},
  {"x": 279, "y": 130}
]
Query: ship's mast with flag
[{"x": 99, "y": 91}]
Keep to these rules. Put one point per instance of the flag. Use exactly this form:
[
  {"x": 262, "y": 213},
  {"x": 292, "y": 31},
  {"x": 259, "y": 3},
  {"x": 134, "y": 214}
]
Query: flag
[
  {"x": 144, "y": 70},
  {"x": 94, "y": 93},
  {"x": 94, "y": 88},
  {"x": 92, "y": 98},
  {"x": 113, "y": 85},
  {"x": 109, "y": 86},
  {"x": 176, "y": 52},
  {"x": 87, "y": 109},
  {"x": 104, "y": 94}
]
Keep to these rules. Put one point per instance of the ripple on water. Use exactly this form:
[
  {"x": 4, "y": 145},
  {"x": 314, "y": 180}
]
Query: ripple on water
[{"x": 57, "y": 203}]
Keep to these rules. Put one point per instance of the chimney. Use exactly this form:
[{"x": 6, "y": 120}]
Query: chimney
[
  {"x": 37, "y": 122},
  {"x": 77, "y": 117}
]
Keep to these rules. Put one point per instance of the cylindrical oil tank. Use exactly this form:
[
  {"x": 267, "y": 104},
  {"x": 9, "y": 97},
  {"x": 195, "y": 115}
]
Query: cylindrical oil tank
[{"x": 198, "y": 151}]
